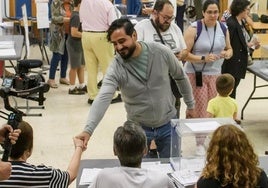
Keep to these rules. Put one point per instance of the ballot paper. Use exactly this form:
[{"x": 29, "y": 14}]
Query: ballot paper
[
  {"x": 203, "y": 127},
  {"x": 184, "y": 177},
  {"x": 88, "y": 175},
  {"x": 157, "y": 165}
]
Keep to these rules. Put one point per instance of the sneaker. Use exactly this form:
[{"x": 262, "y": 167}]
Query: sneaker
[
  {"x": 90, "y": 101},
  {"x": 64, "y": 81},
  {"x": 99, "y": 84},
  {"x": 76, "y": 91},
  {"x": 200, "y": 150},
  {"x": 117, "y": 99},
  {"x": 83, "y": 89}
]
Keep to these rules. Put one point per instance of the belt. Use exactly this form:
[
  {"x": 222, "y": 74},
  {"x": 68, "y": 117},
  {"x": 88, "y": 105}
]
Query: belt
[{"x": 96, "y": 31}]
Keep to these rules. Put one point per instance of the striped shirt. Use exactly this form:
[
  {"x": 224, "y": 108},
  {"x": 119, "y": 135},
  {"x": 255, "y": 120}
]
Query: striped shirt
[{"x": 27, "y": 175}]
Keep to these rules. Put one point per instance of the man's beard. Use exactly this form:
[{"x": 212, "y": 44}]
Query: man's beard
[
  {"x": 127, "y": 52},
  {"x": 162, "y": 27}
]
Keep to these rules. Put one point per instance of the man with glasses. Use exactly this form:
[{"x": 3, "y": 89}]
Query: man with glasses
[{"x": 161, "y": 29}]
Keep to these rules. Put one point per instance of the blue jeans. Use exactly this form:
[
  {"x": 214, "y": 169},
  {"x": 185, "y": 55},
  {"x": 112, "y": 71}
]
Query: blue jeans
[
  {"x": 162, "y": 137},
  {"x": 56, "y": 57}
]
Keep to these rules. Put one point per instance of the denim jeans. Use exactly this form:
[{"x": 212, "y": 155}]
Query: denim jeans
[
  {"x": 56, "y": 57},
  {"x": 162, "y": 137}
]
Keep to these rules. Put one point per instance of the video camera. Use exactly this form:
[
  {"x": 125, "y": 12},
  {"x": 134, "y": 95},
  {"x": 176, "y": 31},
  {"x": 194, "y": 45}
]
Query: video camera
[
  {"x": 25, "y": 85},
  {"x": 22, "y": 85}
]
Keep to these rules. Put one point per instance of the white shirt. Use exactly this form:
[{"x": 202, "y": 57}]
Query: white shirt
[
  {"x": 127, "y": 177},
  {"x": 172, "y": 37}
]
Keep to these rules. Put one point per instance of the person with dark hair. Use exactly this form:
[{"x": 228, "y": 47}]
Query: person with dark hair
[
  {"x": 161, "y": 28},
  {"x": 141, "y": 71},
  {"x": 161, "y": 20},
  {"x": 75, "y": 53},
  {"x": 28, "y": 175},
  {"x": 240, "y": 41},
  {"x": 5, "y": 167},
  {"x": 231, "y": 161},
  {"x": 129, "y": 144},
  {"x": 206, "y": 54},
  {"x": 208, "y": 45},
  {"x": 223, "y": 105}
]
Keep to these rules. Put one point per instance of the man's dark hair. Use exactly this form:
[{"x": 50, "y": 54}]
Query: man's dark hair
[
  {"x": 129, "y": 144},
  {"x": 159, "y": 4},
  {"x": 238, "y": 6},
  {"x": 119, "y": 23},
  {"x": 24, "y": 142},
  {"x": 210, "y": 2},
  {"x": 77, "y": 2},
  {"x": 225, "y": 84}
]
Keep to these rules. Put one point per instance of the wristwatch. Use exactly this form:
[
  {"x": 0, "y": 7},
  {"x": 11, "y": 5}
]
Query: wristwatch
[{"x": 203, "y": 58}]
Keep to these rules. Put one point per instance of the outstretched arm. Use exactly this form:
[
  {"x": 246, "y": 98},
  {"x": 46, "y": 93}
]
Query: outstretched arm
[{"x": 75, "y": 161}]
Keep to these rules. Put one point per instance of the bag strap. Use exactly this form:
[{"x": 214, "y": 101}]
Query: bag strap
[
  {"x": 199, "y": 29},
  {"x": 158, "y": 32}
]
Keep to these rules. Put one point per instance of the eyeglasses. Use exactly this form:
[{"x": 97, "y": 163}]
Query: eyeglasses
[
  {"x": 210, "y": 12},
  {"x": 167, "y": 18}
]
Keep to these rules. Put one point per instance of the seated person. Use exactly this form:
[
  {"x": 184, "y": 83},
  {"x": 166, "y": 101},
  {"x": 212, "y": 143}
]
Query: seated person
[
  {"x": 130, "y": 146},
  {"x": 27, "y": 175},
  {"x": 231, "y": 161},
  {"x": 223, "y": 105},
  {"x": 5, "y": 167}
]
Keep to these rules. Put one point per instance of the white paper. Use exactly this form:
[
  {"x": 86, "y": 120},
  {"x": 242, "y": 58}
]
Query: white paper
[
  {"x": 194, "y": 164},
  {"x": 25, "y": 22},
  {"x": 157, "y": 165},
  {"x": 185, "y": 177},
  {"x": 42, "y": 15},
  {"x": 88, "y": 175},
  {"x": 207, "y": 126},
  {"x": 133, "y": 21}
]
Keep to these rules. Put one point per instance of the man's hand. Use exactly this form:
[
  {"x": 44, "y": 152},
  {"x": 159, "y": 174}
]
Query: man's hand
[
  {"x": 13, "y": 135},
  {"x": 190, "y": 113},
  {"x": 5, "y": 170},
  {"x": 84, "y": 136}
]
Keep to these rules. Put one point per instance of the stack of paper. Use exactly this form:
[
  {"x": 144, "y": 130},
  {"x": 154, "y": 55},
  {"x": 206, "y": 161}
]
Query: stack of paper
[
  {"x": 184, "y": 177},
  {"x": 88, "y": 175}
]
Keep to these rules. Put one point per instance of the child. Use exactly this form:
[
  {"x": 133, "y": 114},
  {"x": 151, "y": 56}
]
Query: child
[{"x": 223, "y": 105}]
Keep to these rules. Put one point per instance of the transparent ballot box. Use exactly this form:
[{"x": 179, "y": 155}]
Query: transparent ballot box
[{"x": 190, "y": 139}]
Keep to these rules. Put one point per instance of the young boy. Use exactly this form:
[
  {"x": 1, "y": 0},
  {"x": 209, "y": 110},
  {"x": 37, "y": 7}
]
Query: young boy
[{"x": 223, "y": 105}]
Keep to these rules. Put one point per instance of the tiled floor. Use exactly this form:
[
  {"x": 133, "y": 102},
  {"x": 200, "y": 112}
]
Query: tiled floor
[{"x": 65, "y": 115}]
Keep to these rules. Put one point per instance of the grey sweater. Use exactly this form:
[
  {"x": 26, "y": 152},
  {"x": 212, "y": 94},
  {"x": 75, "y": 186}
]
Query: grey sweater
[{"x": 149, "y": 102}]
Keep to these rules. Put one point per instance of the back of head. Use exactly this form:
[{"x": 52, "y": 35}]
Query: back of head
[
  {"x": 120, "y": 23},
  {"x": 24, "y": 142},
  {"x": 231, "y": 159},
  {"x": 225, "y": 84},
  {"x": 159, "y": 4},
  {"x": 238, "y": 6},
  {"x": 130, "y": 144}
]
